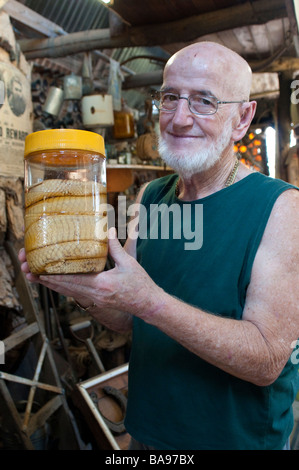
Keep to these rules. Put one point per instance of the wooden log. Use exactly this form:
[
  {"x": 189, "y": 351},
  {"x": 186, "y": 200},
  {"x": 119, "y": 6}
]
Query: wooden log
[{"x": 187, "y": 29}]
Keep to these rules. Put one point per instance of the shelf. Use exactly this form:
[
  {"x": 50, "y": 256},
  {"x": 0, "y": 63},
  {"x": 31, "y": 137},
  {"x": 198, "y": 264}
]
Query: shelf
[{"x": 120, "y": 177}]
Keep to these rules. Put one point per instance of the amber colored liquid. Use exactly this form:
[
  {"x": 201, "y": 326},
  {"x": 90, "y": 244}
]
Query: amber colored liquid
[
  {"x": 123, "y": 125},
  {"x": 65, "y": 233}
]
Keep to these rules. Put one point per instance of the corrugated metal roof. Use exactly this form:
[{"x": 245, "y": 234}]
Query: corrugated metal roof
[
  {"x": 72, "y": 15},
  {"x": 82, "y": 15}
]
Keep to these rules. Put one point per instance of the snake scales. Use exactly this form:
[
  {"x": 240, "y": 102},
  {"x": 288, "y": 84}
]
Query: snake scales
[{"x": 66, "y": 227}]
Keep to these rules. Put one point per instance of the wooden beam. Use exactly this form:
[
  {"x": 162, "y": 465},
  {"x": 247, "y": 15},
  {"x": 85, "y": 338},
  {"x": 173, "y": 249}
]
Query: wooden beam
[
  {"x": 30, "y": 18},
  {"x": 283, "y": 64},
  {"x": 142, "y": 80},
  {"x": 21, "y": 335},
  {"x": 36, "y": 22},
  {"x": 13, "y": 420},
  {"x": 34, "y": 383},
  {"x": 156, "y": 78},
  {"x": 187, "y": 29},
  {"x": 39, "y": 418},
  {"x": 2, "y": 3},
  {"x": 293, "y": 23}
]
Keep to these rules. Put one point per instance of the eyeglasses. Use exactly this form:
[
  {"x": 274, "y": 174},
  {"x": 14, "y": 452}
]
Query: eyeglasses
[{"x": 198, "y": 103}]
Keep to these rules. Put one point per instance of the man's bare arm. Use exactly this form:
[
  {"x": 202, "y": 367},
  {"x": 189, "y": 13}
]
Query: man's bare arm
[{"x": 257, "y": 347}]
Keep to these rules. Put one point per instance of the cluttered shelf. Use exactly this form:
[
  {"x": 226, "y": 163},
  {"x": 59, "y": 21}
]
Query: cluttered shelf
[{"x": 121, "y": 176}]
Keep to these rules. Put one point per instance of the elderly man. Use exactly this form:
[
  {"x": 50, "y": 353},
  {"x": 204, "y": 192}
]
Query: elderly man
[{"x": 213, "y": 327}]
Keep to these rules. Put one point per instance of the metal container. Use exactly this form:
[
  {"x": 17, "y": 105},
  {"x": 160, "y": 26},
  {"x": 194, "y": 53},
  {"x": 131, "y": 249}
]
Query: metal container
[
  {"x": 54, "y": 101},
  {"x": 97, "y": 111},
  {"x": 72, "y": 86}
]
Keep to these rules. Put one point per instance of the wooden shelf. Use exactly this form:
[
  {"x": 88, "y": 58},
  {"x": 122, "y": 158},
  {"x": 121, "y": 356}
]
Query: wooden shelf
[{"x": 120, "y": 177}]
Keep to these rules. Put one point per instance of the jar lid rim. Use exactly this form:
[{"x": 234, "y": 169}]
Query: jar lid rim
[{"x": 57, "y": 139}]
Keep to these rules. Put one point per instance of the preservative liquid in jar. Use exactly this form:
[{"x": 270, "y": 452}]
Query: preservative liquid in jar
[{"x": 65, "y": 202}]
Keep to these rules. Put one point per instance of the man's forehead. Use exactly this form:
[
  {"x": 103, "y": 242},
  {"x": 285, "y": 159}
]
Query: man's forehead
[
  {"x": 200, "y": 80},
  {"x": 205, "y": 64},
  {"x": 225, "y": 71},
  {"x": 220, "y": 77}
]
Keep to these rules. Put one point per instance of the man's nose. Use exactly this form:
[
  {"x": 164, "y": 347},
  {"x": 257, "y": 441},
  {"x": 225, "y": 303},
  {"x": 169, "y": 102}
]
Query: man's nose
[{"x": 182, "y": 115}]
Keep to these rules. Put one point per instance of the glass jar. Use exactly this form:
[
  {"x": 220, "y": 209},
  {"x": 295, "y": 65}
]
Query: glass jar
[
  {"x": 124, "y": 127},
  {"x": 65, "y": 202}
]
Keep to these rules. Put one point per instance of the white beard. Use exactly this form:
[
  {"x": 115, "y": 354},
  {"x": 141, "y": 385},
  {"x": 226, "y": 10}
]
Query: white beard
[{"x": 191, "y": 162}]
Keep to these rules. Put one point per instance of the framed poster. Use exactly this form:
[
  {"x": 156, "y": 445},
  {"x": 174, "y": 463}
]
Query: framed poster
[{"x": 15, "y": 119}]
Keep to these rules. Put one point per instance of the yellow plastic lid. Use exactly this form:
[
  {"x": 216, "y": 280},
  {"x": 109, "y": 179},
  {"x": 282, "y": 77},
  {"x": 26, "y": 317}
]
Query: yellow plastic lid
[{"x": 62, "y": 139}]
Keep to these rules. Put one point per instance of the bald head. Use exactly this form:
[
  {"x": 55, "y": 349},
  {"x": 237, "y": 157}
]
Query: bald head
[{"x": 217, "y": 61}]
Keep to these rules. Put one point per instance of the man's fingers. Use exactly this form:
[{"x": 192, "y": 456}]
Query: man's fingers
[
  {"x": 117, "y": 252},
  {"x": 22, "y": 255}
]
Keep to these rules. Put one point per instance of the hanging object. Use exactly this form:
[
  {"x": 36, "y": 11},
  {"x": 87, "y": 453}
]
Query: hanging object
[
  {"x": 147, "y": 144},
  {"x": 87, "y": 83},
  {"x": 54, "y": 101},
  {"x": 97, "y": 111},
  {"x": 72, "y": 86},
  {"x": 124, "y": 123},
  {"x": 115, "y": 84}
]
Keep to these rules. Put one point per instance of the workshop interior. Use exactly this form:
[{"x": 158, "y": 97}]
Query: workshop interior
[{"x": 94, "y": 66}]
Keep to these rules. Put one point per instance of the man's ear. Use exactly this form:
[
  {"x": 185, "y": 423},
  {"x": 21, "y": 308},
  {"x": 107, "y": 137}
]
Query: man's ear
[{"x": 247, "y": 113}]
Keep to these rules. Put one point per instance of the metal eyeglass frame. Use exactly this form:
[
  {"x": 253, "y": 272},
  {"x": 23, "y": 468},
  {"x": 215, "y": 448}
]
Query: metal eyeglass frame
[{"x": 210, "y": 97}]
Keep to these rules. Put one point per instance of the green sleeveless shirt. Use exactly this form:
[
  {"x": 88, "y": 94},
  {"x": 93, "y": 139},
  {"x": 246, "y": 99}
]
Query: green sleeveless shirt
[{"x": 177, "y": 400}]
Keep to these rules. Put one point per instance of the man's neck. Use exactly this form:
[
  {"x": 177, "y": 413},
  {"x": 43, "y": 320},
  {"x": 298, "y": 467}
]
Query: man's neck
[{"x": 210, "y": 181}]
